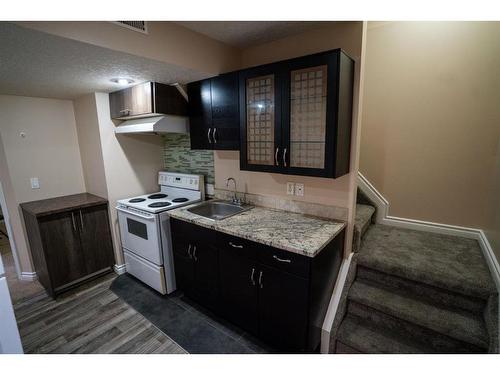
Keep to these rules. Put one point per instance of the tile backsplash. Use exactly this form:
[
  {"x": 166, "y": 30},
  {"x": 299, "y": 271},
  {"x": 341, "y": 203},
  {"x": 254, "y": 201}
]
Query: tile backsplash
[{"x": 178, "y": 157}]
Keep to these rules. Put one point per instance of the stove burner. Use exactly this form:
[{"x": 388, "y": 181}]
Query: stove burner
[
  {"x": 159, "y": 204},
  {"x": 137, "y": 200},
  {"x": 178, "y": 200},
  {"x": 157, "y": 196}
]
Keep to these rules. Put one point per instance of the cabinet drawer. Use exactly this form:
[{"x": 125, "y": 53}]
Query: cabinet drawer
[
  {"x": 192, "y": 232},
  {"x": 284, "y": 260},
  {"x": 237, "y": 245}
]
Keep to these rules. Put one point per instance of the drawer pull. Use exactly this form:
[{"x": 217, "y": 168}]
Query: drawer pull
[
  {"x": 251, "y": 277},
  {"x": 282, "y": 260},
  {"x": 237, "y": 246}
]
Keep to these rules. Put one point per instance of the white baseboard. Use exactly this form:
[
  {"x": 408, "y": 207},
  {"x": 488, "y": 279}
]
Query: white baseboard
[
  {"x": 334, "y": 304},
  {"x": 120, "y": 269},
  {"x": 28, "y": 276}
]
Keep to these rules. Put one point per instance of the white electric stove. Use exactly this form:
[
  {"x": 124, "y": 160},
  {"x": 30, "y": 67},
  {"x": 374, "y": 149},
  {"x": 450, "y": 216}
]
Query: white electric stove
[{"x": 145, "y": 228}]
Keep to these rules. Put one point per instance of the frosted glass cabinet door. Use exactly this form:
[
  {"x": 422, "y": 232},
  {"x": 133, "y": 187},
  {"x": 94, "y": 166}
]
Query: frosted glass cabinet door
[
  {"x": 260, "y": 120},
  {"x": 260, "y": 116},
  {"x": 308, "y": 93}
]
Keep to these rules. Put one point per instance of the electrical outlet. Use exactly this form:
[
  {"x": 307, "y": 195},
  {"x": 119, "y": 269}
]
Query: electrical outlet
[
  {"x": 299, "y": 190},
  {"x": 290, "y": 188},
  {"x": 35, "y": 184}
]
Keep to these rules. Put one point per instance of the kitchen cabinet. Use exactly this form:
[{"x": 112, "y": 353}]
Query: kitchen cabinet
[
  {"x": 69, "y": 238},
  {"x": 196, "y": 261},
  {"x": 295, "y": 115},
  {"x": 214, "y": 113},
  {"x": 278, "y": 296},
  {"x": 147, "y": 99}
]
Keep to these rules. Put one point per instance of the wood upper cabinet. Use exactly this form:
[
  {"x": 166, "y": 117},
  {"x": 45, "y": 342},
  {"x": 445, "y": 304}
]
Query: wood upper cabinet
[
  {"x": 70, "y": 239},
  {"x": 214, "y": 113},
  {"x": 147, "y": 99},
  {"x": 301, "y": 110}
]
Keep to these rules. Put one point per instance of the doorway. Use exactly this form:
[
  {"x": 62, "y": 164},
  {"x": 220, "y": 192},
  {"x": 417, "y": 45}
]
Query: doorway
[{"x": 19, "y": 289}]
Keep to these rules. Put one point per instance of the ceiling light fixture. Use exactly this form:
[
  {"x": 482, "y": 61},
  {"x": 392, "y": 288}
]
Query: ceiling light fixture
[{"x": 122, "y": 81}]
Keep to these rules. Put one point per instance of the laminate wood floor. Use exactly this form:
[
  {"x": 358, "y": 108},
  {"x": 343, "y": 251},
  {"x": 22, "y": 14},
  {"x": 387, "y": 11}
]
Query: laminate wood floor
[{"x": 89, "y": 319}]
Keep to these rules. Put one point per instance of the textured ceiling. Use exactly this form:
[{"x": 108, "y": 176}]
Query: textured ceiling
[
  {"x": 37, "y": 64},
  {"x": 244, "y": 34}
]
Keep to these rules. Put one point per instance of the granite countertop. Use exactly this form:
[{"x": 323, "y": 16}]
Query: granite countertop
[
  {"x": 297, "y": 233},
  {"x": 61, "y": 204}
]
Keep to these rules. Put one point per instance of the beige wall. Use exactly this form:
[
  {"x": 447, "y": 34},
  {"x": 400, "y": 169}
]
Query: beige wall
[
  {"x": 89, "y": 141},
  {"x": 338, "y": 192},
  {"x": 49, "y": 151},
  {"x": 431, "y": 119},
  {"x": 131, "y": 164},
  {"x": 493, "y": 229},
  {"x": 165, "y": 41}
]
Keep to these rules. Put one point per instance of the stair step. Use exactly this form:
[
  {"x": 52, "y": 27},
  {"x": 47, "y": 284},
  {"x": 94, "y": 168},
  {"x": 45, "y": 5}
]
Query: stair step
[
  {"x": 432, "y": 340},
  {"x": 444, "y": 261},
  {"x": 357, "y": 336},
  {"x": 461, "y": 326},
  {"x": 362, "y": 221},
  {"x": 425, "y": 292}
]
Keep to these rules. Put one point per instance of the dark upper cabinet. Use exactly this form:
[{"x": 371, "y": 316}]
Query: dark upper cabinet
[
  {"x": 296, "y": 117},
  {"x": 260, "y": 118},
  {"x": 147, "y": 99},
  {"x": 70, "y": 239},
  {"x": 214, "y": 113}
]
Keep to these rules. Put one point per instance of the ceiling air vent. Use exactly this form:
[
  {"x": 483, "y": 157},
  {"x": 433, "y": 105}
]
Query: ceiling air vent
[{"x": 139, "y": 26}]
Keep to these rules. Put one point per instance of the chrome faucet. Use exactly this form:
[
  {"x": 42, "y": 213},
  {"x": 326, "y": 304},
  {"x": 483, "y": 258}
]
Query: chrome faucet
[{"x": 236, "y": 200}]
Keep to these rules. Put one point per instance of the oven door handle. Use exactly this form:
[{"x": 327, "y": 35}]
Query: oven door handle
[{"x": 135, "y": 213}]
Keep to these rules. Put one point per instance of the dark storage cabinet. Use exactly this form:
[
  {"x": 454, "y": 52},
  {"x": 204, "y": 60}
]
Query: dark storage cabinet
[
  {"x": 147, "y": 99},
  {"x": 296, "y": 115},
  {"x": 276, "y": 295},
  {"x": 214, "y": 113},
  {"x": 70, "y": 239}
]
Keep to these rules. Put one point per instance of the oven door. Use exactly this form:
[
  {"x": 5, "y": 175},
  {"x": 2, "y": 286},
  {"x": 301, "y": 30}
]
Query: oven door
[{"x": 140, "y": 234}]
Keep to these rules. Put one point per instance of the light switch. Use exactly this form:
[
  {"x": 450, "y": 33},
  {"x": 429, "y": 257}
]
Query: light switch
[
  {"x": 299, "y": 190},
  {"x": 35, "y": 184},
  {"x": 290, "y": 188}
]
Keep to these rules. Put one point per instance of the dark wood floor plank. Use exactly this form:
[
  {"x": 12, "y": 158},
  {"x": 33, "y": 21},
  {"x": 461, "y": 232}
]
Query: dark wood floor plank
[{"x": 88, "y": 319}]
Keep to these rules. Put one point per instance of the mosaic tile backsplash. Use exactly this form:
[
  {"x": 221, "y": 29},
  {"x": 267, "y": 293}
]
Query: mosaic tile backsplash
[{"x": 178, "y": 157}]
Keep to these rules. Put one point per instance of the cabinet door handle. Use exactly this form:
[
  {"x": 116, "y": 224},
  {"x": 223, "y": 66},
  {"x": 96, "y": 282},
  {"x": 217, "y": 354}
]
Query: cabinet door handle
[
  {"x": 284, "y": 157},
  {"x": 282, "y": 260},
  {"x": 237, "y": 246},
  {"x": 81, "y": 219},
  {"x": 276, "y": 156},
  {"x": 73, "y": 220},
  {"x": 189, "y": 252},
  {"x": 260, "y": 280},
  {"x": 194, "y": 254},
  {"x": 213, "y": 135},
  {"x": 251, "y": 277},
  {"x": 208, "y": 135},
  {"x": 127, "y": 111}
]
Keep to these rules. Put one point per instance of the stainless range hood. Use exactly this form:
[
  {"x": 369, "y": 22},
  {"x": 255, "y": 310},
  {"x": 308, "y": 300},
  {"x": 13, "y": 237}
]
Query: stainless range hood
[{"x": 154, "y": 125}]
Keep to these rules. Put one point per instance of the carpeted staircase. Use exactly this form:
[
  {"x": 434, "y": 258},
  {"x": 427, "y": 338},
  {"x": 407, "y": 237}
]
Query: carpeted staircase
[{"x": 415, "y": 292}]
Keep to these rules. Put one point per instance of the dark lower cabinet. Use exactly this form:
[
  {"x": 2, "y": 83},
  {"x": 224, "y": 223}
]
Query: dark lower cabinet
[
  {"x": 69, "y": 238},
  {"x": 238, "y": 292},
  {"x": 278, "y": 296},
  {"x": 196, "y": 261},
  {"x": 283, "y": 305}
]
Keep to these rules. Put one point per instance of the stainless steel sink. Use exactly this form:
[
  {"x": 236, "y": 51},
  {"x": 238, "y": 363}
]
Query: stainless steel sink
[{"x": 218, "y": 210}]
